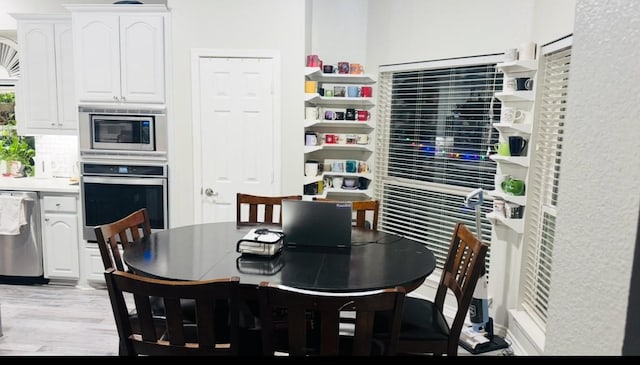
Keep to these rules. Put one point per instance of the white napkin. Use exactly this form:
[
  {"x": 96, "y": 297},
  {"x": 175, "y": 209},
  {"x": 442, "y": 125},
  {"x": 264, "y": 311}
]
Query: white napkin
[{"x": 12, "y": 214}]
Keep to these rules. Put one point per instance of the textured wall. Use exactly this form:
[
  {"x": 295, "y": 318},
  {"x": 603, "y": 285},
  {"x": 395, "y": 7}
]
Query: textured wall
[{"x": 598, "y": 207}]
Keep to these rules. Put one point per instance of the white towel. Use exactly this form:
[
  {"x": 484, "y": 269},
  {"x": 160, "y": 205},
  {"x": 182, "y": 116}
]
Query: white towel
[{"x": 12, "y": 214}]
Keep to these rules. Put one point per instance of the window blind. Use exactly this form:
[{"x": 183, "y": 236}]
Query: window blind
[
  {"x": 540, "y": 230},
  {"x": 432, "y": 136}
]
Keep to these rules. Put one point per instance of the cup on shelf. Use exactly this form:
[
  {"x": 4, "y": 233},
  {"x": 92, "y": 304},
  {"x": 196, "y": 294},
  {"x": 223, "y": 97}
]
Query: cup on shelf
[
  {"x": 511, "y": 115},
  {"x": 513, "y": 186},
  {"x": 311, "y": 113},
  {"x": 363, "y": 115},
  {"x": 353, "y": 91},
  {"x": 310, "y": 87},
  {"x": 527, "y": 51},
  {"x": 343, "y": 67},
  {"x": 509, "y": 84},
  {"x": 498, "y": 207},
  {"x": 524, "y": 83},
  {"x": 502, "y": 148},
  {"x": 366, "y": 91},
  {"x": 517, "y": 146},
  {"x": 311, "y": 168}
]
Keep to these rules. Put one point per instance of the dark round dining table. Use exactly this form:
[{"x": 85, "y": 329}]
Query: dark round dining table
[{"x": 207, "y": 251}]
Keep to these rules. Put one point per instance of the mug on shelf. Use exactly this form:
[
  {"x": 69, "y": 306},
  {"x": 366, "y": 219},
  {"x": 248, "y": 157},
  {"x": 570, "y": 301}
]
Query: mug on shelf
[
  {"x": 511, "y": 115},
  {"x": 311, "y": 139},
  {"x": 366, "y": 91},
  {"x": 311, "y": 168},
  {"x": 311, "y": 113},
  {"x": 513, "y": 186},
  {"x": 527, "y": 51},
  {"x": 363, "y": 115},
  {"x": 524, "y": 83},
  {"x": 353, "y": 91},
  {"x": 310, "y": 86},
  {"x": 343, "y": 67},
  {"x": 517, "y": 146},
  {"x": 502, "y": 149}
]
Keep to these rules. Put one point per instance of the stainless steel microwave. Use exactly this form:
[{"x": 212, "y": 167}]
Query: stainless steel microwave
[{"x": 137, "y": 133}]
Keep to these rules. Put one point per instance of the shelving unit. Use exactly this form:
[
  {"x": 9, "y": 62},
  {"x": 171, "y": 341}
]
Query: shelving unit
[
  {"x": 514, "y": 166},
  {"x": 325, "y": 153}
]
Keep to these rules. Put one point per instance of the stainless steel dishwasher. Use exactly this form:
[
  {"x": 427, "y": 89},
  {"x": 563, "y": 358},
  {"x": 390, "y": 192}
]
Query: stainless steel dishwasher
[{"x": 21, "y": 254}]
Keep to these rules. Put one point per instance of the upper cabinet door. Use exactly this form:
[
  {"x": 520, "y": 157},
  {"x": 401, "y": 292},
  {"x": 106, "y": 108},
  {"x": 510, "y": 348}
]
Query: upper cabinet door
[
  {"x": 142, "y": 58},
  {"x": 38, "y": 65},
  {"x": 46, "y": 91},
  {"x": 65, "y": 77},
  {"x": 120, "y": 58},
  {"x": 97, "y": 50}
]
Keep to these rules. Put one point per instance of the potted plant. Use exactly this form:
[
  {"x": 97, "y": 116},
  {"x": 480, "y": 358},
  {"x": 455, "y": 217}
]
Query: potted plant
[{"x": 17, "y": 149}]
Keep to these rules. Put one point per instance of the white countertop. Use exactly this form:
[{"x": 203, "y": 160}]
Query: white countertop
[{"x": 54, "y": 185}]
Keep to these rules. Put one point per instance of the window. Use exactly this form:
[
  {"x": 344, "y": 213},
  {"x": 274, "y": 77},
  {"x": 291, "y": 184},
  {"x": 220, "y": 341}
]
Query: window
[
  {"x": 434, "y": 130},
  {"x": 540, "y": 230}
]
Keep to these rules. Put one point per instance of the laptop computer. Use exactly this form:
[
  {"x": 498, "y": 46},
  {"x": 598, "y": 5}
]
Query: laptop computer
[{"x": 316, "y": 224}]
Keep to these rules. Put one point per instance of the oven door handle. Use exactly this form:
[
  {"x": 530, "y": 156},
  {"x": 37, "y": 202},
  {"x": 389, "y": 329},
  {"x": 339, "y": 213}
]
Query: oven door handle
[{"x": 123, "y": 180}]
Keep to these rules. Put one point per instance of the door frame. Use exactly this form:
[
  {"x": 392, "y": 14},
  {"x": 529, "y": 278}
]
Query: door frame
[{"x": 196, "y": 55}]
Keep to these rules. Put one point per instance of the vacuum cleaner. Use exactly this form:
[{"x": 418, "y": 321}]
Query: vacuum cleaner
[{"x": 479, "y": 337}]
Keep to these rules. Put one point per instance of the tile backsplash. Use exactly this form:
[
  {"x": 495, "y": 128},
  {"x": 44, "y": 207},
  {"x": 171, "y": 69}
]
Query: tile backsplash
[{"x": 62, "y": 151}]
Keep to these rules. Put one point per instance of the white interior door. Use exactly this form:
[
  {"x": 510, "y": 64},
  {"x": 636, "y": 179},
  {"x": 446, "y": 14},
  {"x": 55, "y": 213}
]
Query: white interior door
[{"x": 236, "y": 145}]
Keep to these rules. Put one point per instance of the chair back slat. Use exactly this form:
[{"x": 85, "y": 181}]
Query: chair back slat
[
  {"x": 121, "y": 233},
  {"x": 254, "y": 203}
]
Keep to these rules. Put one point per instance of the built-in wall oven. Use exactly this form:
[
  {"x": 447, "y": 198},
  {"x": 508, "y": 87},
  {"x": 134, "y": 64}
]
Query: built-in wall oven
[
  {"x": 123, "y": 158},
  {"x": 113, "y": 191}
]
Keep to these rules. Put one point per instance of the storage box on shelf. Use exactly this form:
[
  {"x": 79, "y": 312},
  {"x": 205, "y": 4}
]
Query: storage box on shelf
[
  {"x": 522, "y": 103},
  {"x": 338, "y": 128}
]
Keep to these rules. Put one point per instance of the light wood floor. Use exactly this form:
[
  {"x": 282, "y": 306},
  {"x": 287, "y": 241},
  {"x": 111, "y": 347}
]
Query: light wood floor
[{"x": 56, "y": 320}]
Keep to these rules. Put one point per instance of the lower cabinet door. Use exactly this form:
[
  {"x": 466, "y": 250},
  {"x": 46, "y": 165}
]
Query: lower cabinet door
[{"x": 60, "y": 243}]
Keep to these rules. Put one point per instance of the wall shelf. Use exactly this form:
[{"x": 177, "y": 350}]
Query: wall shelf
[
  {"x": 517, "y": 225},
  {"x": 519, "y": 95},
  {"x": 518, "y": 199},
  {"x": 315, "y": 74},
  {"x": 518, "y": 66},
  {"x": 513, "y": 127},
  {"x": 515, "y": 160}
]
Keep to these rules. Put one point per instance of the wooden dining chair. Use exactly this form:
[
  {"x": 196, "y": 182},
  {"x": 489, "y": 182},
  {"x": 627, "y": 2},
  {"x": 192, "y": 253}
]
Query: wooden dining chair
[
  {"x": 425, "y": 328},
  {"x": 361, "y": 207},
  {"x": 121, "y": 233},
  {"x": 321, "y": 311},
  {"x": 363, "y": 210},
  {"x": 257, "y": 203},
  {"x": 176, "y": 337}
]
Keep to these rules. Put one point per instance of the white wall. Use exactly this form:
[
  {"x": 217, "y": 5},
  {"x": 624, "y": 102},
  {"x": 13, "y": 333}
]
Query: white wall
[
  {"x": 339, "y": 30},
  {"x": 600, "y": 195},
  {"x": 231, "y": 24}
]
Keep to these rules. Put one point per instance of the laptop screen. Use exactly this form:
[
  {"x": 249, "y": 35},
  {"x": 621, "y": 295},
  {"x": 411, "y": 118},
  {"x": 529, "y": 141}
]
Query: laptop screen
[{"x": 315, "y": 223}]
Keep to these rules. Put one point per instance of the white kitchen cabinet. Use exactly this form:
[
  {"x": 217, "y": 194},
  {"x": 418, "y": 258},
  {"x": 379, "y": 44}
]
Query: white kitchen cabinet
[
  {"x": 60, "y": 236},
  {"x": 353, "y": 143},
  {"x": 120, "y": 52},
  {"x": 45, "y": 94}
]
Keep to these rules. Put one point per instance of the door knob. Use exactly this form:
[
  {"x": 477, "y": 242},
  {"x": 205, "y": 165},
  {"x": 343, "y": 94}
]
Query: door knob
[{"x": 210, "y": 192}]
